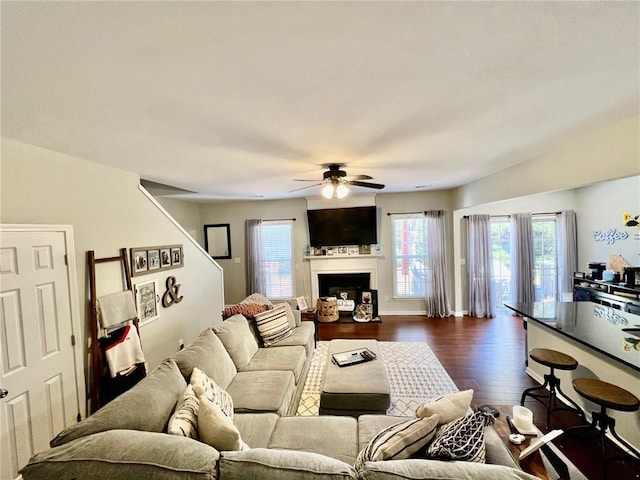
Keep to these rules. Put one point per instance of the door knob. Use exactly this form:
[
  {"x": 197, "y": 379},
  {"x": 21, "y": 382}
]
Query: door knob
[{"x": 3, "y": 392}]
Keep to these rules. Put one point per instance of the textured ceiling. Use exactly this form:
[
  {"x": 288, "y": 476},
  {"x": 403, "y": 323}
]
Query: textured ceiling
[{"x": 237, "y": 99}]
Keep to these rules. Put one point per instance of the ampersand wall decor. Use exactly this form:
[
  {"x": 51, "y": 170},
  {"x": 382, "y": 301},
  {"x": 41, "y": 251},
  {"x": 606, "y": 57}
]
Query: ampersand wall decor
[{"x": 171, "y": 295}]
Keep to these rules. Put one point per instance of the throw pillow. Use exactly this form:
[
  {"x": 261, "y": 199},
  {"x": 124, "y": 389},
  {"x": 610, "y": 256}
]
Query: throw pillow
[
  {"x": 184, "y": 421},
  {"x": 237, "y": 339},
  {"x": 290, "y": 317},
  {"x": 273, "y": 325},
  {"x": 399, "y": 441},
  {"x": 258, "y": 298},
  {"x": 462, "y": 439},
  {"x": 204, "y": 386},
  {"x": 248, "y": 310},
  {"x": 216, "y": 428},
  {"x": 448, "y": 407}
]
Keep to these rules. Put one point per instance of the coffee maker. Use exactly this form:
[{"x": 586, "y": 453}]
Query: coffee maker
[
  {"x": 631, "y": 276},
  {"x": 596, "y": 270}
]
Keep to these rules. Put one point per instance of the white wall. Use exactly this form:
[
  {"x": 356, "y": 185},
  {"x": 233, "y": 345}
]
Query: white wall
[
  {"x": 186, "y": 213},
  {"x": 108, "y": 211}
]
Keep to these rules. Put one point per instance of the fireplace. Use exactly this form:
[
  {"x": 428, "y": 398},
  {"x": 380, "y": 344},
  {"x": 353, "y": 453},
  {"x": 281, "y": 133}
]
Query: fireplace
[{"x": 337, "y": 284}]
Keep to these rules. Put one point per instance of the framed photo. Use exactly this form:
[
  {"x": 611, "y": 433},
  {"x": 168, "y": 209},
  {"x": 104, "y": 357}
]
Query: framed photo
[
  {"x": 176, "y": 257},
  {"x": 153, "y": 259},
  {"x": 302, "y": 303},
  {"x": 364, "y": 249},
  {"x": 165, "y": 257},
  {"x": 353, "y": 250},
  {"x": 369, "y": 297},
  {"x": 139, "y": 262},
  {"x": 217, "y": 240},
  {"x": 342, "y": 250},
  {"x": 147, "y": 301}
]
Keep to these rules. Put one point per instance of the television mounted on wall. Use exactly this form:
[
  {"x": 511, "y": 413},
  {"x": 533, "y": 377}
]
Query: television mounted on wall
[{"x": 330, "y": 227}]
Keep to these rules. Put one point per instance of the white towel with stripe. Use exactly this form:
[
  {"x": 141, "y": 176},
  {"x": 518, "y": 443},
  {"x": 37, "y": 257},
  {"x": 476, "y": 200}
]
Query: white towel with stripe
[{"x": 124, "y": 353}]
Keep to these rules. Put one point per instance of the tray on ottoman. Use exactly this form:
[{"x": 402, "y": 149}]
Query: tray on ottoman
[{"x": 359, "y": 389}]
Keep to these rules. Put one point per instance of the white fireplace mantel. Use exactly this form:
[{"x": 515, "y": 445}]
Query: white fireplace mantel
[{"x": 342, "y": 264}]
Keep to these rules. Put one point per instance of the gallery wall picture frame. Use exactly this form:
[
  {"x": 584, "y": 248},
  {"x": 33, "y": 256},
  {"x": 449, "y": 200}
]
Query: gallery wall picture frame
[
  {"x": 217, "y": 240},
  {"x": 146, "y": 260},
  {"x": 147, "y": 301}
]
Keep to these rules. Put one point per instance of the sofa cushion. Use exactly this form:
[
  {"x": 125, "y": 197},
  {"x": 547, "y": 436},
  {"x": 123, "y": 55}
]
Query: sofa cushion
[
  {"x": 399, "y": 441},
  {"x": 304, "y": 336},
  {"x": 125, "y": 454},
  {"x": 281, "y": 358},
  {"x": 204, "y": 386},
  {"x": 147, "y": 406},
  {"x": 256, "y": 428},
  {"x": 255, "y": 392},
  {"x": 414, "y": 469},
  {"x": 207, "y": 353},
  {"x": 216, "y": 428},
  {"x": 273, "y": 325},
  {"x": 237, "y": 338},
  {"x": 462, "y": 439},
  {"x": 263, "y": 464},
  {"x": 247, "y": 310},
  {"x": 335, "y": 437},
  {"x": 449, "y": 407},
  {"x": 184, "y": 421}
]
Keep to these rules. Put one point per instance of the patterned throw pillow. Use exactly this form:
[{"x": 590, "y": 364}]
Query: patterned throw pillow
[
  {"x": 204, "y": 386},
  {"x": 248, "y": 310},
  {"x": 399, "y": 441},
  {"x": 462, "y": 439},
  {"x": 217, "y": 429},
  {"x": 290, "y": 317},
  {"x": 449, "y": 407},
  {"x": 273, "y": 325},
  {"x": 184, "y": 421}
]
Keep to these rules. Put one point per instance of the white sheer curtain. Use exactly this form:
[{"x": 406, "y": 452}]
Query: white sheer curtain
[
  {"x": 567, "y": 251},
  {"x": 522, "y": 286},
  {"x": 437, "y": 287},
  {"x": 479, "y": 266},
  {"x": 256, "y": 282}
]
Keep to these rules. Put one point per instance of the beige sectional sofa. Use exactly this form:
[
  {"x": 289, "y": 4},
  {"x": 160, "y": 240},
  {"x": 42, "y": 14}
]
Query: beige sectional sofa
[{"x": 127, "y": 438}]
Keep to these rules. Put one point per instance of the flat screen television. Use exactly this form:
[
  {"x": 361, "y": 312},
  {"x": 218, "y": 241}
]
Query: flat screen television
[{"x": 331, "y": 227}]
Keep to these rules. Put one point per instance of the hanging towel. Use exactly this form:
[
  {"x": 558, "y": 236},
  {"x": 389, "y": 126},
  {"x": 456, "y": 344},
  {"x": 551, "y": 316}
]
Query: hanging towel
[
  {"x": 123, "y": 351},
  {"x": 116, "y": 308}
]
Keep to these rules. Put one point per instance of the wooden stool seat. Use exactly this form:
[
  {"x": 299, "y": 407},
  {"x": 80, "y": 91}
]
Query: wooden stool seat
[
  {"x": 606, "y": 394},
  {"x": 553, "y": 358}
]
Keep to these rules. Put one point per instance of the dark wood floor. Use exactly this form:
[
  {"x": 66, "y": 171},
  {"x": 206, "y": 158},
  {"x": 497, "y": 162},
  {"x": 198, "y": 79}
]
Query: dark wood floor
[{"x": 487, "y": 355}]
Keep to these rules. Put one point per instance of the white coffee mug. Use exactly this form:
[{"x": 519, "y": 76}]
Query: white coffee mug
[{"x": 522, "y": 418}]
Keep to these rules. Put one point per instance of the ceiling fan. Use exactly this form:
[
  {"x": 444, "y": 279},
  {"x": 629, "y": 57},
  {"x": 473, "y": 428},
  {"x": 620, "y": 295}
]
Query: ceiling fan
[{"x": 335, "y": 181}]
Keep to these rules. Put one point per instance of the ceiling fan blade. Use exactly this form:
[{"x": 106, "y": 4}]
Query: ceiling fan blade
[
  {"x": 308, "y": 186},
  {"x": 358, "y": 177},
  {"x": 365, "y": 184},
  {"x": 305, "y": 179}
]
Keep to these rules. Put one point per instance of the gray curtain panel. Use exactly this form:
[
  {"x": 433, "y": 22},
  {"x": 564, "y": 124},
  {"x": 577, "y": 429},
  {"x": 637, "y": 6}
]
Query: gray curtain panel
[
  {"x": 437, "y": 287},
  {"x": 479, "y": 266},
  {"x": 567, "y": 235},
  {"x": 255, "y": 277},
  {"x": 522, "y": 287}
]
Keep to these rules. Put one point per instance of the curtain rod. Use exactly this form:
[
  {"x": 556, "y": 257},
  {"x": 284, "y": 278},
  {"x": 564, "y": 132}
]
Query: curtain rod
[
  {"x": 278, "y": 219},
  {"x": 533, "y": 215},
  {"x": 404, "y": 213}
]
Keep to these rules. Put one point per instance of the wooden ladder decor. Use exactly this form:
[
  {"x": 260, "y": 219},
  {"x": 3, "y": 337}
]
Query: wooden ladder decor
[{"x": 98, "y": 368}]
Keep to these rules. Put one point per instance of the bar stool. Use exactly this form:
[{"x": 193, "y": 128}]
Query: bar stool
[
  {"x": 607, "y": 396},
  {"x": 552, "y": 359}
]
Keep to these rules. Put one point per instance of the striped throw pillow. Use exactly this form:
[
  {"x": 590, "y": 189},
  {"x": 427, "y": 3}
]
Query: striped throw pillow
[
  {"x": 203, "y": 385},
  {"x": 462, "y": 439},
  {"x": 273, "y": 325},
  {"x": 184, "y": 421},
  {"x": 399, "y": 441}
]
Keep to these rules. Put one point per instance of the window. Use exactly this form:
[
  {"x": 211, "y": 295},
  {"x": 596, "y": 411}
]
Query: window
[
  {"x": 277, "y": 264},
  {"x": 545, "y": 260},
  {"x": 409, "y": 250}
]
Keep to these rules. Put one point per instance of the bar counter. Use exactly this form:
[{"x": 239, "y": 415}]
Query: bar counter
[
  {"x": 610, "y": 331},
  {"x": 604, "y": 341}
]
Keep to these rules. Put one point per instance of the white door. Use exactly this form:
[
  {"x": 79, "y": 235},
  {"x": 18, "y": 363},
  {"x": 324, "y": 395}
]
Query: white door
[{"x": 38, "y": 364}]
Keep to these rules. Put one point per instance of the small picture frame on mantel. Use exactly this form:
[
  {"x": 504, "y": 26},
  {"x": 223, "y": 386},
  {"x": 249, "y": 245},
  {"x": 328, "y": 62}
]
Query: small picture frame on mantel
[{"x": 364, "y": 249}]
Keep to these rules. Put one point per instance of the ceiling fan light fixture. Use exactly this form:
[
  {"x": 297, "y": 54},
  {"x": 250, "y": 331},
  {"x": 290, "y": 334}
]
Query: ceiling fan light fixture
[
  {"x": 327, "y": 191},
  {"x": 341, "y": 191}
]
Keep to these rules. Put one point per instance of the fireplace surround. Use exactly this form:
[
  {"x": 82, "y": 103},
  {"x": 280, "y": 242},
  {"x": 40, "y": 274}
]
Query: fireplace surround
[{"x": 351, "y": 267}]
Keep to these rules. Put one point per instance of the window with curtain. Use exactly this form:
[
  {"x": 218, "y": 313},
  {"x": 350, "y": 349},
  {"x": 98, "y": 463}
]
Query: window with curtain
[
  {"x": 545, "y": 271},
  {"x": 409, "y": 250},
  {"x": 277, "y": 258}
]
